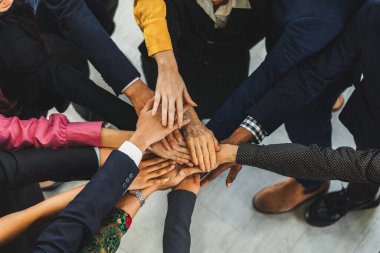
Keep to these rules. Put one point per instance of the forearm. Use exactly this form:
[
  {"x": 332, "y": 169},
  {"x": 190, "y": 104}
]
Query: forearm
[
  {"x": 192, "y": 115},
  {"x": 139, "y": 94},
  {"x": 13, "y": 225},
  {"x": 114, "y": 138},
  {"x": 130, "y": 204},
  {"x": 313, "y": 162}
]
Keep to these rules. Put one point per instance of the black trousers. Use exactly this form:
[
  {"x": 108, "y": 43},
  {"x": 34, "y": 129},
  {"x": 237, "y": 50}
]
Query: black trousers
[{"x": 312, "y": 125}]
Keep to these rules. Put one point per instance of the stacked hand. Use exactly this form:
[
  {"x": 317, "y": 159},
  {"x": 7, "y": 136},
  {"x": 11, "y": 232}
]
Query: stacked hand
[{"x": 149, "y": 129}]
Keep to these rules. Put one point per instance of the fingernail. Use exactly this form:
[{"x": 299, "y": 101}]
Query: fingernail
[
  {"x": 228, "y": 185},
  {"x": 166, "y": 179},
  {"x": 182, "y": 173}
]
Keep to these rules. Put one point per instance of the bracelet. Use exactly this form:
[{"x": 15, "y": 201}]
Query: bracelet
[{"x": 138, "y": 195}]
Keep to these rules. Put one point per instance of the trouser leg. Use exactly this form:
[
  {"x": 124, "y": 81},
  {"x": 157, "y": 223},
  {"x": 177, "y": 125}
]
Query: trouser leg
[{"x": 312, "y": 125}]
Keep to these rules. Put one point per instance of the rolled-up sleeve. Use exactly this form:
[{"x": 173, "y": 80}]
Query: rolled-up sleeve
[
  {"x": 57, "y": 131},
  {"x": 150, "y": 16}
]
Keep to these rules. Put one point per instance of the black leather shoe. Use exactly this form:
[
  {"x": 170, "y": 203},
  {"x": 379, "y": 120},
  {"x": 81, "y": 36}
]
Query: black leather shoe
[{"x": 333, "y": 206}]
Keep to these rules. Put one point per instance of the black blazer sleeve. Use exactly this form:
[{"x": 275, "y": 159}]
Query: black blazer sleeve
[
  {"x": 81, "y": 219},
  {"x": 177, "y": 223},
  {"x": 313, "y": 162},
  {"x": 81, "y": 27},
  {"x": 306, "y": 81},
  {"x": 20, "y": 168},
  {"x": 31, "y": 73}
]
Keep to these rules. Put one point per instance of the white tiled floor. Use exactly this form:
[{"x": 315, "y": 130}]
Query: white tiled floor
[{"x": 224, "y": 221}]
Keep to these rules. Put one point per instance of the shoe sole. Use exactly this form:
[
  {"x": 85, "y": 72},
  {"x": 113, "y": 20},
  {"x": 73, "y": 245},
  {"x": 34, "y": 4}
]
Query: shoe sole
[
  {"x": 293, "y": 208},
  {"x": 370, "y": 205}
]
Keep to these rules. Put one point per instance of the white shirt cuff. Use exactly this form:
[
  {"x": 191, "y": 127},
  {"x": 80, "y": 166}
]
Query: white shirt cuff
[
  {"x": 132, "y": 82},
  {"x": 132, "y": 151}
]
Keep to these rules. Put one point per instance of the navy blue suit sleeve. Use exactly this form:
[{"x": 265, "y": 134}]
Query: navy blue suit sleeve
[
  {"x": 177, "y": 237},
  {"x": 301, "y": 38},
  {"x": 81, "y": 27},
  {"x": 81, "y": 219},
  {"x": 306, "y": 81}
]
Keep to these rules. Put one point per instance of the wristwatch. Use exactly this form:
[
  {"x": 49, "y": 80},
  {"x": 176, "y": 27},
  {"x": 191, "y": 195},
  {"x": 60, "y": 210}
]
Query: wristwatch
[{"x": 138, "y": 195}]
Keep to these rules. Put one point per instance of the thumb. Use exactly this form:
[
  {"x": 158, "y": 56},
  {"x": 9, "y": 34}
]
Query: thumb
[
  {"x": 149, "y": 105},
  {"x": 188, "y": 99}
]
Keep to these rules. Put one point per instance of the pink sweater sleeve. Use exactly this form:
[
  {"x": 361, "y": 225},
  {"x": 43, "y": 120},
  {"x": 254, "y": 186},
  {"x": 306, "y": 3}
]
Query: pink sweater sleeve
[{"x": 54, "y": 132}]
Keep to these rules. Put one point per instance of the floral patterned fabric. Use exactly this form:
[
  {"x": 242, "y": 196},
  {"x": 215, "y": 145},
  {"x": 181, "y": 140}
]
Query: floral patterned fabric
[{"x": 107, "y": 240}]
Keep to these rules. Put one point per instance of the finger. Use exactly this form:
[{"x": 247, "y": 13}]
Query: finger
[
  {"x": 178, "y": 135},
  {"x": 212, "y": 152},
  {"x": 182, "y": 150},
  {"x": 188, "y": 99},
  {"x": 159, "y": 166},
  {"x": 164, "y": 111},
  {"x": 166, "y": 145},
  {"x": 191, "y": 145},
  {"x": 198, "y": 150},
  {"x": 216, "y": 144},
  {"x": 189, "y": 164},
  {"x": 161, "y": 172},
  {"x": 172, "y": 142},
  {"x": 156, "y": 181},
  {"x": 157, "y": 99},
  {"x": 179, "y": 105},
  {"x": 206, "y": 155},
  {"x": 212, "y": 175},
  {"x": 189, "y": 171},
  {"x": 171, "y": 112},
  {"x": 150, "y": 162},
  {"x": 232, "y": 175}
]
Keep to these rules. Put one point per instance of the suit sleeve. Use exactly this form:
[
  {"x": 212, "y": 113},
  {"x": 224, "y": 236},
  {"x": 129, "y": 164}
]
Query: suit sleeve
[
  {"x": 313, "y": 162},
  {"x": 54, "y": 132},
  {"x": 29, "y": 58},
  {"x": 177, "y": 237},
  {"x": 301, "y": 39},
  {"x": 22, "y": 167},
  {"x": 306, "y": 81},
  {"x": 82, "y": 28},
  {"x": 75, "y": 226}
]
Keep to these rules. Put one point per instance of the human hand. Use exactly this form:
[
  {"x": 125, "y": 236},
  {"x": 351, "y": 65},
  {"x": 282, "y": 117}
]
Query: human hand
[
  {"x": 191, "y": 183},
  {"x": 176, "y": 176},
  {"x": 227, "y": 154},
  {"x": 152, "y": 173},
  {"x": 149, "y": 129},
  {"x": 226, "y": 158},
  {"x": 180, "y": 153},
  {"x": 171, "y": 90},
  {"x": 202, "y": 144},
  {"x": 172, "y": 139},
  {"x": 235, "y": 169}
]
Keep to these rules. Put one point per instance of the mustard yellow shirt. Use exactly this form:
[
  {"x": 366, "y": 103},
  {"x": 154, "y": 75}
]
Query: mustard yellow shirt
[{"x": 150, "y": 16}]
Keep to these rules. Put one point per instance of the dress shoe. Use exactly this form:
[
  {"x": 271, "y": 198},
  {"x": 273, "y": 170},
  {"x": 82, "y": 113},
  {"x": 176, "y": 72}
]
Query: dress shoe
[
  {"x": 285, "y": 196},
  {"x": 333, "y": 206}
]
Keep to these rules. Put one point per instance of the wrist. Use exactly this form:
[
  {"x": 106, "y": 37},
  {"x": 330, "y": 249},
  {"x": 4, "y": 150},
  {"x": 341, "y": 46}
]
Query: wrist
[
  {"x": 139, "y": 94},
  {"x": 148, "y": 191},
  {"x": 238, "y": 136},
  {"x": 139, "y": 142},
  {"x": 166, "y": 61}
]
